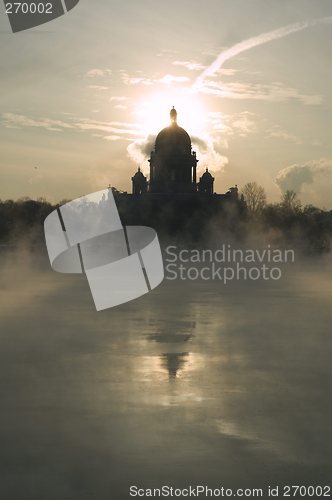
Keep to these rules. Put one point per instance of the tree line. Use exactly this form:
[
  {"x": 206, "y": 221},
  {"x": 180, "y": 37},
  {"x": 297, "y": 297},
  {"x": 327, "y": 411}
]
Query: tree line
[
  {"x": 286, "y": 222},
  {"x": 301, "y": 225}
]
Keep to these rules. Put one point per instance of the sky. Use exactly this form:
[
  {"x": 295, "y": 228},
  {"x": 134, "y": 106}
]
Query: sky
[{"x": 83, "y": 97}]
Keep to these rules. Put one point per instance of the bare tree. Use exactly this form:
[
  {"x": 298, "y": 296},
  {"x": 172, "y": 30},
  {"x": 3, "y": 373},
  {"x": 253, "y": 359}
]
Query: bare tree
[
  {"x": 255, "y": 197},
  {"x": 290, "y": 201}
]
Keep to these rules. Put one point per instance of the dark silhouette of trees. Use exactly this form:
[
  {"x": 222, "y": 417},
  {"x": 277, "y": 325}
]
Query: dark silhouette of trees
[
  {"x": 23, "y": 218},
  {"x": 308, "y": 227},
  {"x": 254, "y": 196},
  {"x": 290, "y": 201},
  {"x": 194, "y": 220}
]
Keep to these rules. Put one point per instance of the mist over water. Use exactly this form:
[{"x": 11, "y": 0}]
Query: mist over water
[{"x": 194, "y": 383}]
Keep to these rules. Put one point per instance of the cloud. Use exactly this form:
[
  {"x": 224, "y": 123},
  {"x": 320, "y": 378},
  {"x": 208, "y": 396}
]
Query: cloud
[
  {"x": 12, "y": 120},
  {"x": 277, "y": 133},
  {"x": 97, "y": 72},
  {"x": 190, "y": 65},
  {"x": 240, "y": 124},
  {"x": 118, "y": 98},
  {"x": 255, "y": 41},
  {"x": 168, "y": 79},
  {"x": 112, "y": 138},
  {"x": 208, "y": 154},
  {"x": 119, "y": 101},
  {"x": 111, "y": 129},
  {"x": 243, "y": 124},
  {"x": 98, "y": 87},
  {"x": 141, "y": 80},
  {"x": 226, "y": 71},
  {"x": 139, "y": 151},
  {"x": 200, "y": 143},
  {"x": 136, "y": 80},
  {"x": 218, "y": 122},
  {"x": 297, "y": 177},
  {"x": 122, "y": 129},
  {"x": 274, "y": 92}
]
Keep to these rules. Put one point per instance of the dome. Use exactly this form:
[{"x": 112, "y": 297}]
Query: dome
[
  {"x": 139, "y": 174},
  {"x": 207, "y": 175},
  {"x": 173, "y": 139}
]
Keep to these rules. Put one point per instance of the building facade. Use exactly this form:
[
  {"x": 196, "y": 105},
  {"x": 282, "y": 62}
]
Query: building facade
[{"x": 173, "y": 167}]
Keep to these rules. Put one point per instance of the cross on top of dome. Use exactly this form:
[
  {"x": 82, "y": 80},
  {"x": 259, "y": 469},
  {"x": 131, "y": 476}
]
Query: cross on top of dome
[{"x": 173, "y": 115}]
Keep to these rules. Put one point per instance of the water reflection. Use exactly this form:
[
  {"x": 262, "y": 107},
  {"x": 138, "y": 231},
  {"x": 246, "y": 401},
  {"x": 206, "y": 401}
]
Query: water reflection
[
  {"x": 173, "y": 333},
  {"x": 186, "y": 384},
  {"x": 174, "y": 362}
]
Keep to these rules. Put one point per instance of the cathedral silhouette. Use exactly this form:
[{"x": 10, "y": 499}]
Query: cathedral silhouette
[{"x": 173, "y": 168}]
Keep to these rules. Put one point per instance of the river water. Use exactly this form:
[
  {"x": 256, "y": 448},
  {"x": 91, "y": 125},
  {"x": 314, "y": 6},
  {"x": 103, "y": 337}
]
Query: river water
[{"x": 194, "y": 383}]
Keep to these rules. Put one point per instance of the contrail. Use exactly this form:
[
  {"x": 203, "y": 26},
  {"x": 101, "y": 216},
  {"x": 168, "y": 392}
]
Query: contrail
[{"x": 255, "y": 41}]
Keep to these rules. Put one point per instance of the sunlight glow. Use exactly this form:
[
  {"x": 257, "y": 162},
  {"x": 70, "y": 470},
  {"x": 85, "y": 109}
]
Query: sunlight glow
[{"x": 153, "y": 113}]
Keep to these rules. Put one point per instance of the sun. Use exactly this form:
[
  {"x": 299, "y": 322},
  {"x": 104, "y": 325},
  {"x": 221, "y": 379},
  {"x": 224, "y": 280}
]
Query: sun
[{"x": 153, "y": 112}]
